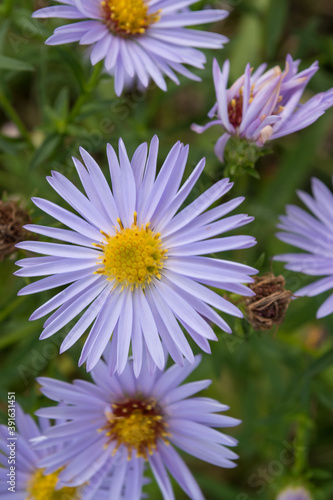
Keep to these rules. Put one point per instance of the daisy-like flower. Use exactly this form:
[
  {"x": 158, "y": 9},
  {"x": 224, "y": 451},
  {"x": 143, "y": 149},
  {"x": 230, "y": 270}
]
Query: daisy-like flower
[
  {"x": 138, "y": 39},
  {"x": 314, "y": 234},
  {"x": 22, "y": 478},
  {"x": 262, "y": 106},
  {"x": 294, "y": 493},
  {"x": 133, "y": 421},
  {"x": 134, "y": 262}
]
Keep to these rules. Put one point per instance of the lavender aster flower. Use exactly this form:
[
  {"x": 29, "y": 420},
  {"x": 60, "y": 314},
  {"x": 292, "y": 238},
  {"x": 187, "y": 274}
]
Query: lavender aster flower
[
  {"x": 134, "y": 262},
  {"x": 294, "y": 494},
  {"x": 138, "y": 39},
  {"x": 263, "y": 106},
  {"x": 314, "y": 234},
  {"x": 29, "y": 481},
  {"x": 130, "y": 421}
]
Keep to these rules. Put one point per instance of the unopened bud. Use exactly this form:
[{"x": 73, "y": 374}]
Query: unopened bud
[{"x": 294, "y": 493}]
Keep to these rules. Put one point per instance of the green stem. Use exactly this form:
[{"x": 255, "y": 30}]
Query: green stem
[
  {"x": 301, "y": 445},
  {"x": 89, "y": 87},
  {"x": 14, "y": 117}
]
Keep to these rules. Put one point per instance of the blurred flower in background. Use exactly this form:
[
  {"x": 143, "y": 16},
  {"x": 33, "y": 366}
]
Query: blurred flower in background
[
  {"x": 127, "y": 421},
  {"x": 138, "y": 39},
  {"x": 134, "y": 262},
  {"x": 262, "y": 106},
  {"x": 314, "y": 234},
  {"x": 294, "y": 493}
]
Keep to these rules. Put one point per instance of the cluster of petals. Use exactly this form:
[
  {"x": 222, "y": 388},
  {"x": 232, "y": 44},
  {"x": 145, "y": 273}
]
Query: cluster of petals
[
  {"x": 314, "y": 235},
  {"x": 27, "y": 463},
  {"x": 261, "y": 106},
  {"x": 191, "y": 423},
  {"x": 161, "y": 50},
  {"x": 137, "y": 317}
]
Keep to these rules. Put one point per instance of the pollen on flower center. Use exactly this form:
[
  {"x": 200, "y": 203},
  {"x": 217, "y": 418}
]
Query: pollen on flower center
[
  {"x": 128, "y": 17},
  {"x": 133, "y": 256},
  {"x": 137, "y": 424},
  {"x": 41, "y": 487}
]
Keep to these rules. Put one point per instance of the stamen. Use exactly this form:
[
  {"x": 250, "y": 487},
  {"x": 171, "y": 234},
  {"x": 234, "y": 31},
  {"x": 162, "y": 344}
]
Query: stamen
[
  {"x": 128, "y": 17},
  {"x": 132, "y": 257},
  {"x": 137, "y": 424}
]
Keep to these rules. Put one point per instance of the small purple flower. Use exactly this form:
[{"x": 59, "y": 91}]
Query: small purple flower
[
  {"x": 314, "y": 234},
  {"x": 135, "y": 267},
  {"x": 294, "y": 493},
  {"x": 138, "y": 39},
  {"x": 262, "y": 106},
  {"x": 28, "y": 479},
  {"x": 126, "y": 421}
]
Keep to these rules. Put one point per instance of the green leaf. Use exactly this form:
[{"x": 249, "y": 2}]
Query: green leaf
[
  {"x": 319, "y": 365},
  {"x": 275, "y": 23},
  {"x": 62, "y": 103},
  {"x": 48, "y": 147},
  {"x": 12, "y": 64}
]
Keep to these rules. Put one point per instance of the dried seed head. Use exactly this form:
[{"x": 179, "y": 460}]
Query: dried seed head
[
  {"x": 12, "y": 220},
  {"x": 269, "y": 304}
]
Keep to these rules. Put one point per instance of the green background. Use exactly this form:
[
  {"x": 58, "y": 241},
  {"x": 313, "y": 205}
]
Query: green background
[{"x": 279, "y": 383}]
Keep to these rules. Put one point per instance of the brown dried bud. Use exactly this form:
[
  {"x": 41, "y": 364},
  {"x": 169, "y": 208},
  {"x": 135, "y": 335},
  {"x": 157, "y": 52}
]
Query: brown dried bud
[
  {"x": 269, "y": 304},
  {"x": 12, "y": 219}
]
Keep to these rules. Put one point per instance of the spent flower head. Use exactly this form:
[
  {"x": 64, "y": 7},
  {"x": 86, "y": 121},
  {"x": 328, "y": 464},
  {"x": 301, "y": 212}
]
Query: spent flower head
[
  {"x": 267, "y": 308},
  {"x": 137, "y": 268},
  {"x": 314, "y": 235},
  {"x": 124, "y": 421},
  {"x": 262, "y": 106},
  {"x": 138, "y": 40},
  {"x": 12, "y": 219}
]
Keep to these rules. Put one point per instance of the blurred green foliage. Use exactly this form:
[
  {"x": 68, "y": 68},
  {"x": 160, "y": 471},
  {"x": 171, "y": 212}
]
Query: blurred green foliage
[{"x": 51, "y": 102}]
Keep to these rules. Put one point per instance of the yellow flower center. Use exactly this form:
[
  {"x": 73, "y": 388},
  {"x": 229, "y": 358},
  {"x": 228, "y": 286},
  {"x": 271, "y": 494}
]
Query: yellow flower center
[
  {"x": 137, "y": 424},
  {"x": 128, "y": 17},
  {"x": 42, "y": 487},
  {"x": 133, "y": 256}
]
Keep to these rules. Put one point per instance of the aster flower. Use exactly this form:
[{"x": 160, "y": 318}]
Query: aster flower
[
  {"x": 314, "y": 234},
  {"x": 132, "y": 421},
  {"x": 134, "y": 262},
  {"x": 297, "y": 493},
  {"x": 138, "y": 39},
  {"x": 262, "y": 106},
  {"x": 29, "y": 481}
]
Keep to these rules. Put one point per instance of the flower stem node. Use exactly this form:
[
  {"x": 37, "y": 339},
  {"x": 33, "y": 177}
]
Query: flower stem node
[{"x": 240, "y": 157}]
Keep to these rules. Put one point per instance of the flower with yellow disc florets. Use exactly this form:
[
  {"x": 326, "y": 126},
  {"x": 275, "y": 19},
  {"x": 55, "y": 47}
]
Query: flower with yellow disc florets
[
  {"x": 263, "y": 106},
  {"x": 135, "y": 266},
  {"x": 122, "y": 422},
  {"x": 29, "y": 481},
  {"x": 138, "y": 40}
]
